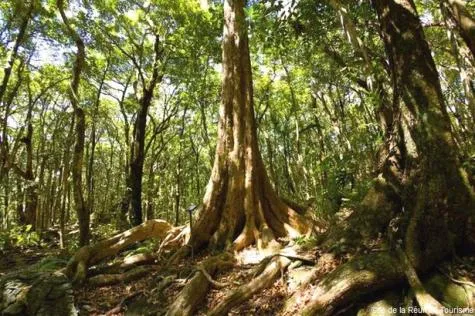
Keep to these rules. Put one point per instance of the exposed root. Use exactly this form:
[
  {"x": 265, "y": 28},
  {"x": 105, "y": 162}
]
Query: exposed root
[
  {"x": 118, "y": 308},
  {"x": 244, "y": 292},
  {"x": 265, "y": 262},
  {"x": 176, "y": 237},
  {"x": 326, "y": 263},
  {"x": 356, "y": 278},
  {"x": 428, "y": 304},
  {"x": 196, "y": 289},
  {"x": 123, "y": 265},
  {"x": 456, "y": 281},
  {"x": 89, "y": 255},
  {"x": 109, "y": 279},
  {"x": 216, "y": 284}
]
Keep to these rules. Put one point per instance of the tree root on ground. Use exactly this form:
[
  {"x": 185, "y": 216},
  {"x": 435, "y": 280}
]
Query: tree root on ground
[
  {"x": 356, "y": 278},
  {"x": 109, "y": 279},
  {"x": 265, "y": 262},
  {"x": 195, "y": 290},
  {"x": 123, "y": 265},
  {"x": 214, "y": 283},
  {"x": 275, "y": 267},
  {"x": 89, "y": 255},
  {"x": 118, "y": 308},
  {"x": 428, "y": 304},
  {"x": 320, "y": 268}
]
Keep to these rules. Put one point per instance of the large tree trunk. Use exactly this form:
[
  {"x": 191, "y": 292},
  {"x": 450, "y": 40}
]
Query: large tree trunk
[
  {"x": 434, "y": 202},
  {"x": 436, "y": 195},
  {"x": 80, "y": 129},
  {"x": 240, "y": 206}
]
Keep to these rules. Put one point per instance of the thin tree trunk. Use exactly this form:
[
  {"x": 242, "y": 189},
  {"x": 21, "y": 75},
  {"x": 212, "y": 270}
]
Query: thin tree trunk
[
  {"x": 464, "y": 21},
  {"x": 137, "y": 156},
  {"x": 65, "y": 183},
  {"x": 178, "y": 180},
  {"x": 7, "y": 71},
  {"x": 90, "y": 167},
  {"x": 80, "y": 129}
]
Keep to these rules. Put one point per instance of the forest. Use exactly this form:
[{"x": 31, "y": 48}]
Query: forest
[{"x": 233, "y": 157}]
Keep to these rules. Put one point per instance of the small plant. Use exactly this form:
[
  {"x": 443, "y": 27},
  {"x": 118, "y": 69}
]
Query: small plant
[
  {"x": 19, "y": 237},
  {"x": 305, "y": 242}
]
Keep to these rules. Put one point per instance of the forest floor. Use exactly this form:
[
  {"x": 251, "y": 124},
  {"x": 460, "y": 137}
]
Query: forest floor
[
  {"x": 144, "y": 296},
  {"x": 155, "y": 292}
]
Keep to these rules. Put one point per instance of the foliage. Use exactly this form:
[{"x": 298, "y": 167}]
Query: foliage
[
  {"x": 318, "y": 126},
  {"x": 19, "y": 237}
]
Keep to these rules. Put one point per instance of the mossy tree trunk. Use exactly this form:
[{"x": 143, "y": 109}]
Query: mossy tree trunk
[
  {"x": 434, "y": 207},
  {"x": 436, "y": 197},
  {"x": 240, "y": 206}
]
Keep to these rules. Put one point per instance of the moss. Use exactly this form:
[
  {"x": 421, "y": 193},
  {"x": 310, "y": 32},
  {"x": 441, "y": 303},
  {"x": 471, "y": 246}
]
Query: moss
[
  {"x": 50, "y": 264},
  {"x": 381, "y": 307},
  {"x": 447, "y": 292}
]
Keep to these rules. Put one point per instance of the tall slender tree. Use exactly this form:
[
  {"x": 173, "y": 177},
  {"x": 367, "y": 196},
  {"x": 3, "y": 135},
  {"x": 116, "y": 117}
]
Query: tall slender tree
[
  {"x": 26, "y": 15},
  {"x": 137, "y": 148},
  {"x": 82, "y": 210}
]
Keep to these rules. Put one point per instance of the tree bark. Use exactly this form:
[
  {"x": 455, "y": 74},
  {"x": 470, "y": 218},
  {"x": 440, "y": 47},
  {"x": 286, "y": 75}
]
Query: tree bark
[
  {"x": 240, "y": 206},
  {"x": 31, "y": 191},
  {"x": 434, "y": 200},
  {"x": 463, "y": 20},
  {"x": 137, "y": 150},
  {"x": 80, "y": 129},
  {"x": 435, "y": 192}
]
